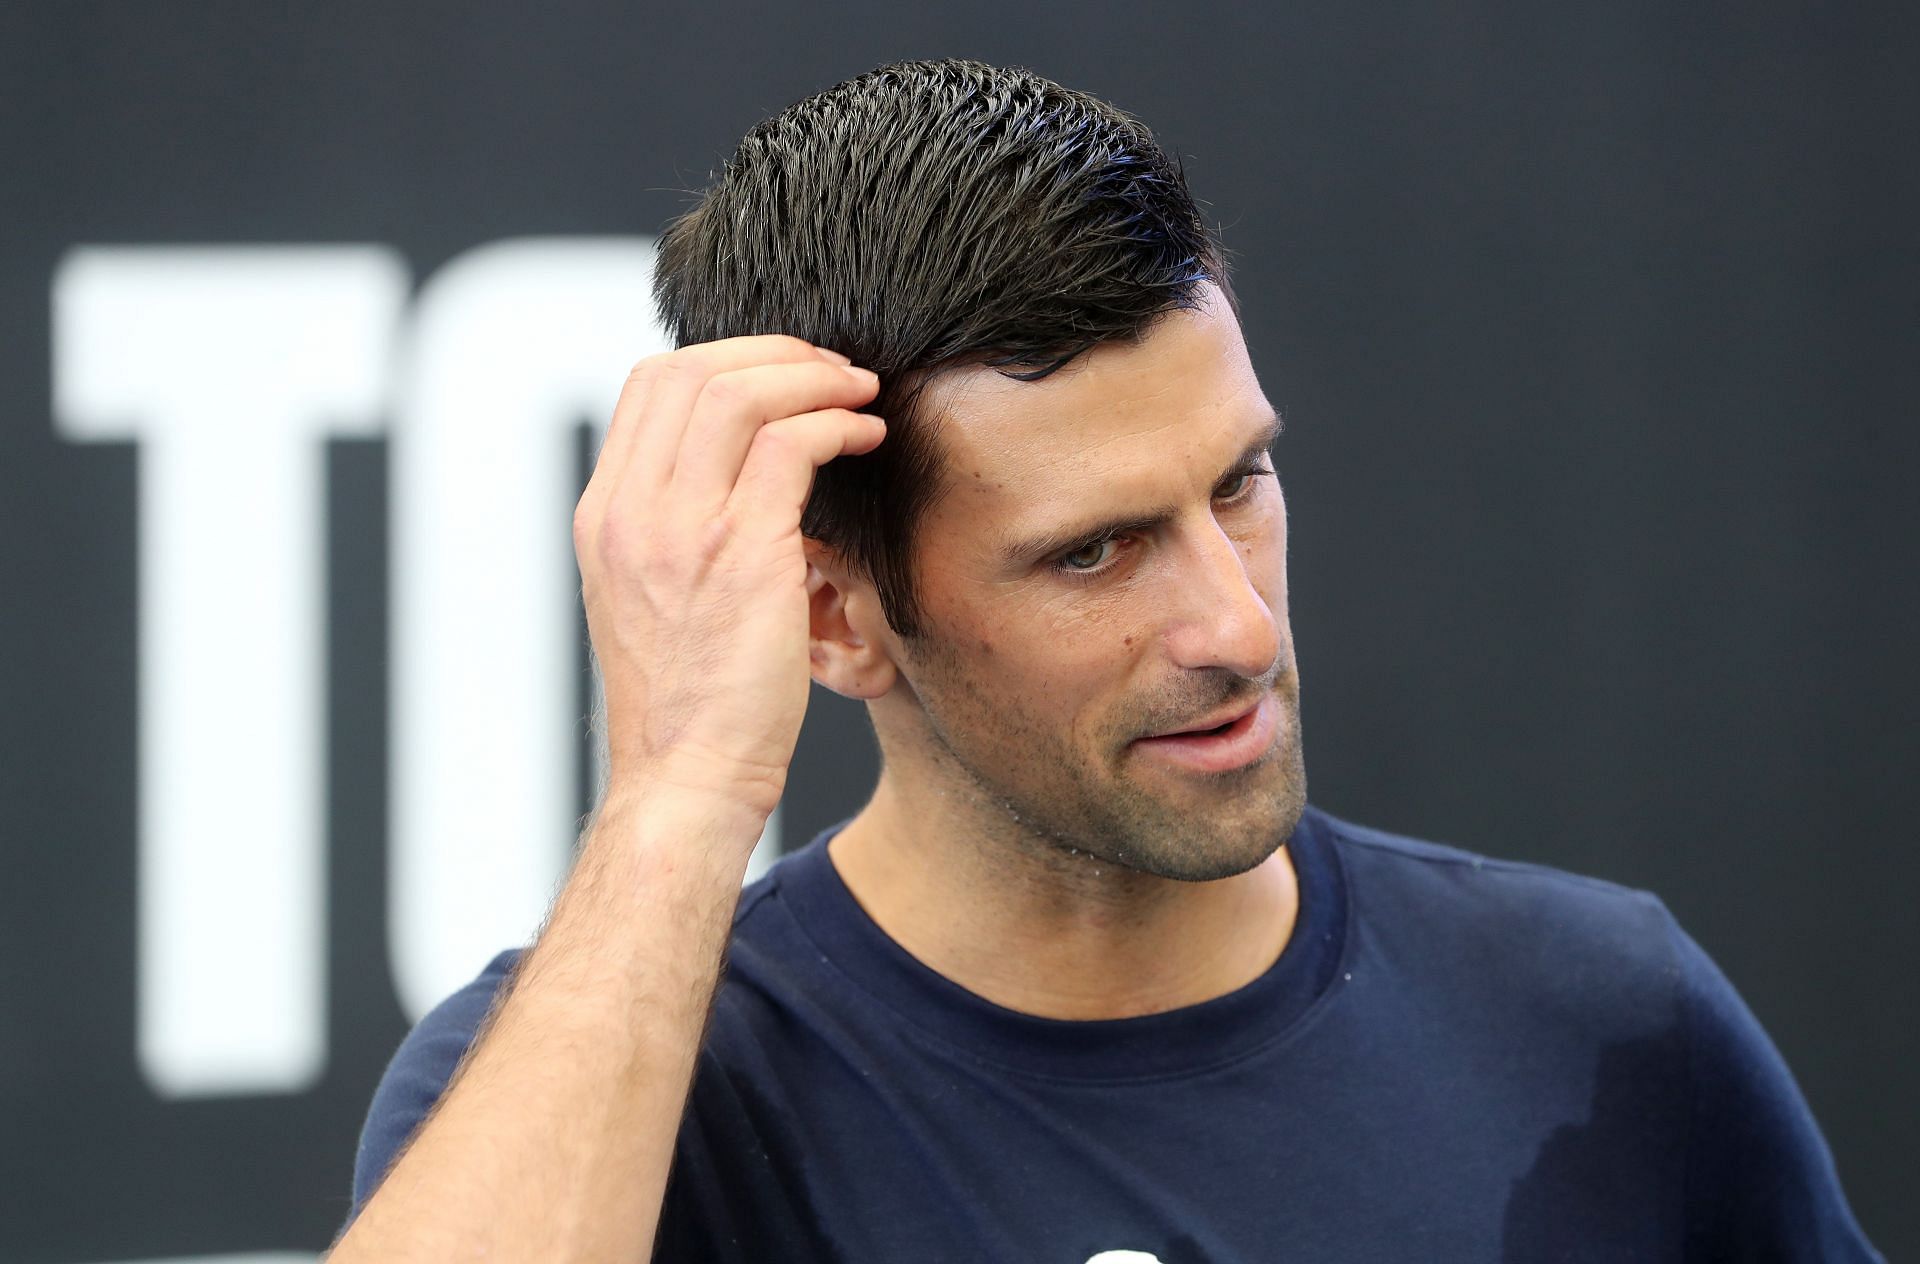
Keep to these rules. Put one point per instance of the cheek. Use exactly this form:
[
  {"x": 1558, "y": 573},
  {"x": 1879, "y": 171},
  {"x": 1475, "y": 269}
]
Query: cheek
[
  {"x": 1267, "y": 569},
  {"x": 1066, "y": 687},
  {"x": 1263, "y": 552},
  {"x": 1040, "y": 661}
]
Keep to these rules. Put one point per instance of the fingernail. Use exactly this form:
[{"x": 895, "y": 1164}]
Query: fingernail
[
  {"x": 867, "y": 376},
  {"x": 833, "y": 356}
]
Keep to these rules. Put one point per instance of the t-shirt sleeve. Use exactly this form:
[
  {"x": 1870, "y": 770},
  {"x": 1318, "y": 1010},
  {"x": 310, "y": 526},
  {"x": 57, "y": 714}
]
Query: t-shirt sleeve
[
  {"x": 419, "y": 1073},
  {"x": 1760, "y": 1181}
]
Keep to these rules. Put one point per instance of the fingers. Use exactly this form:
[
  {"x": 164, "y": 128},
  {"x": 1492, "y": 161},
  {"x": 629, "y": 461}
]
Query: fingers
[
  {"x": 734, "y": 407},
  {"x": 644, "y": 436},
  {"x": 686, "y": 377},
  {"x": 778, "y": 472},
  {"x": 738, "y": 425}
]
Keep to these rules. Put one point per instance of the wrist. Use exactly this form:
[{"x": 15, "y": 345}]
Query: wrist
[
  {"x": 695, "y": 779},
  {"x": 710, "y": 821}
]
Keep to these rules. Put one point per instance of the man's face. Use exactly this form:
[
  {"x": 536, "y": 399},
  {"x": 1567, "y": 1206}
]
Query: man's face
[{"x": 1108, "y": 564}]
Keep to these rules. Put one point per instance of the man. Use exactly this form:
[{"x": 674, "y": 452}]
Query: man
[{"x": 1085, "y": 980}]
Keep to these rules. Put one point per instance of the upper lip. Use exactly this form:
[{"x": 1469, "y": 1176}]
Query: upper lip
[{"x": 1214, "y": 721}]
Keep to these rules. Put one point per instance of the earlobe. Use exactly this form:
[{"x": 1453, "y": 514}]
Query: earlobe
[{"x": 841, "y": 653}]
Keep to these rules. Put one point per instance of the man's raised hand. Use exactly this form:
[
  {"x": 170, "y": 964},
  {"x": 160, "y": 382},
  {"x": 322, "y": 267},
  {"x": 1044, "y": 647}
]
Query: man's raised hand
[{"x": 688, "y": 538}]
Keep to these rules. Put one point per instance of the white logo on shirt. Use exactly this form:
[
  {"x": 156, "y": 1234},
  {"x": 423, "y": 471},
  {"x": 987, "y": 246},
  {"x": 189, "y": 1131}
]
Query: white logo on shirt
[{"x": 1125, "y": 1257}]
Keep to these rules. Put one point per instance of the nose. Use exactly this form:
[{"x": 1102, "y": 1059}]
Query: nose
[{"x": 1221, "y": 619}]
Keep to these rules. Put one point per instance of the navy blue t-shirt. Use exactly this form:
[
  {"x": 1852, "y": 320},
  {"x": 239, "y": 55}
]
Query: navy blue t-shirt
[{"x": 1455, "y": 1058}]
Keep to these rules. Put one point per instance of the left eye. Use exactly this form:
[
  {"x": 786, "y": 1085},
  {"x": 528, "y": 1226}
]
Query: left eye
[{"x": 1088, "y": 556}]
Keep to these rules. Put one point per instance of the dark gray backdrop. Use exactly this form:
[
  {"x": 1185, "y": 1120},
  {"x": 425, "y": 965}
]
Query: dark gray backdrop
[{"x": 1595, "y": 333}]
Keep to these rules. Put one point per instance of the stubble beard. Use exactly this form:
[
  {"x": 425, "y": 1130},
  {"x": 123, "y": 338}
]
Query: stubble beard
[{"x": 1068, "y": 809}]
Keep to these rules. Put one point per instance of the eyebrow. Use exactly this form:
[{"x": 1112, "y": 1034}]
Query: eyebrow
[{"x": 1061, "y": 539}]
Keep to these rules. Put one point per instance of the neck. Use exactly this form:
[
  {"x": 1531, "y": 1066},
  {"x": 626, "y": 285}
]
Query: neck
[{"x": 1031, "y": 927}]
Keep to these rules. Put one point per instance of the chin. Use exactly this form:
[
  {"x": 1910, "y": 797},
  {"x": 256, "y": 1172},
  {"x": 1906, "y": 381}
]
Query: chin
[
  {"x": 1218, "y": 857},
  {"x": 1206, "y": 846}
]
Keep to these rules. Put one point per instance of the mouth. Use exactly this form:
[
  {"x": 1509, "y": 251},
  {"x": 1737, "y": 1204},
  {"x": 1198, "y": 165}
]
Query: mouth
[{"x": 1229, "y": 743}]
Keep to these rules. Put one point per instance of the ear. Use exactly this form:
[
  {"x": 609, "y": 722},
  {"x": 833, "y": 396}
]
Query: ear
[{"x": 846, "y": 648}]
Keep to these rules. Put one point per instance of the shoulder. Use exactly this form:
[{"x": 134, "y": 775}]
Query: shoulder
[
  {"x": 1559, "y": 940},
  {"x": 424, "y": 1064},
  {"x": 1468, "y": 883}
]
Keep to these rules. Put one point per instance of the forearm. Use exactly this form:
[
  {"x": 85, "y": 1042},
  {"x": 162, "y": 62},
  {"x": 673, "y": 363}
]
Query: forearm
[{"x": 554, "y": 1139}]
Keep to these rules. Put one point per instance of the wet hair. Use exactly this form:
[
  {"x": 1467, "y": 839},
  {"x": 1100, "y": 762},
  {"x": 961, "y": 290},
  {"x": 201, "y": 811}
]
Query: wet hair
[{"x": 923, "y": 216}]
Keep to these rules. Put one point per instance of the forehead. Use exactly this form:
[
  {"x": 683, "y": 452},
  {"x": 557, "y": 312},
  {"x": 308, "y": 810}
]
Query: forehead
[{"x": 1124, "y": 422}]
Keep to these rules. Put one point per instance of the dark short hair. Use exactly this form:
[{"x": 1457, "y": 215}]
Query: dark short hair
[{"x": 923, "y": 216}]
